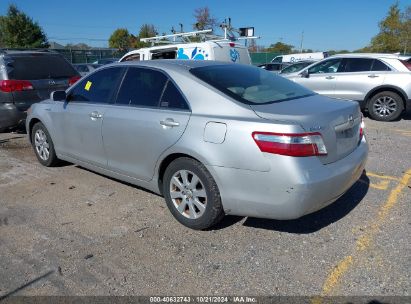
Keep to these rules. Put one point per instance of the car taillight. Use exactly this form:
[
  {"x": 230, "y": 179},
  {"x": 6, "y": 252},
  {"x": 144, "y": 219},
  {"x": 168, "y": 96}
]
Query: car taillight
[
  {"x": 407, "y": 64},
  {"x": 73, "y": 80},
  {"x": 362, "y": 127},
  {"x": 301, "y": 144},
  {"x": 11, "y": 85}
]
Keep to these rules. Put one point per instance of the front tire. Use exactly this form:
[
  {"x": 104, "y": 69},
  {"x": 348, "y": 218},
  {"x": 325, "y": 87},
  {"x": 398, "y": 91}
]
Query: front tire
[
  {"x": 191, "y": 194},
  {"x": 385, "y": 106},
  {"x": 43, "y": 145}
]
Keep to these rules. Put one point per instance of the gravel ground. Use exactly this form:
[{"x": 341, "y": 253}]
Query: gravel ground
[{"x": 69, "y": 231}]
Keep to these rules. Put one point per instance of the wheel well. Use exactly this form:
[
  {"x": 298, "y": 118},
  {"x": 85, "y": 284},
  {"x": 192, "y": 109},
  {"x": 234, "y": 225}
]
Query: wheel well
[
  {"x": 379, "y": 90},
  {"x": 164, "y": 164},
  {"x": 32, "y": 123}
]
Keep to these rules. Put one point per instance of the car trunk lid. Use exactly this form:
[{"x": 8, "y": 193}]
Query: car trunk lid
[{"x": 338, "y": 121}]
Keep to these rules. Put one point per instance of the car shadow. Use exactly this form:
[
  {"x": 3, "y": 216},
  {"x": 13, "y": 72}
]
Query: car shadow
[
  {"x": 117, "y": 180},
  {"x": 315, "y": 221},
  {"x": 307, "y": 224},
  {"x": 3, "y": 141},
  {"x": 407, "y": 116},
  {"x": 22, "y": 287}
]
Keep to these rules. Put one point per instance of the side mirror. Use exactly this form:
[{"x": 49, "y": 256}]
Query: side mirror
[
  {"x": 58, "y": 95},
  {"x": 305, "y": 74}
]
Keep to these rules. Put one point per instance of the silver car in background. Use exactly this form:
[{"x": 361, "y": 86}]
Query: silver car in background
[
  {"x": 213, "y": 138},
  {"x": 381, "y": 83}
]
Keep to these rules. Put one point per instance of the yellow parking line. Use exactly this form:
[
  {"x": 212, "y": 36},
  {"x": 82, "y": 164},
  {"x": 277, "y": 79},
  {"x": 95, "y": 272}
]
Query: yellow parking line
[
  {"x": 382, "y": 185},
  {"x": 383, "y": 176},
  {"x": 364, "y": 242}
]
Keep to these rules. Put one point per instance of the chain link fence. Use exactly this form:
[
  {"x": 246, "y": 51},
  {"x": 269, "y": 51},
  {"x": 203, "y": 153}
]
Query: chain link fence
[
  {"x": 89, "y": 56},
  {"x": 260, "y": 58}
]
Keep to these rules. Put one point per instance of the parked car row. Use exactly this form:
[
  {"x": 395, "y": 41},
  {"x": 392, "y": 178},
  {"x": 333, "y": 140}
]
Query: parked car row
[{"x": 243, "y": 136}]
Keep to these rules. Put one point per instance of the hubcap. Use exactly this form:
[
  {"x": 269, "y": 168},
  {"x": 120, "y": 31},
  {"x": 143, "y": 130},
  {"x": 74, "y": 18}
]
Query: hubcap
[
  {"x": 41, "y": 144},
  {"x": 188, "y": 194},
  {"x": 385, "y": 106}
]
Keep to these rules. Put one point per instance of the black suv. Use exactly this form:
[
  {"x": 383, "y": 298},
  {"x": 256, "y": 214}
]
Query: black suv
[{"x": 27, "y": 77}]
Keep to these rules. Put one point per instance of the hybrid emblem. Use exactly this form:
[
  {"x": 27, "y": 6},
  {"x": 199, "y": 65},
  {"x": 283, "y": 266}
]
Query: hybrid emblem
[{"x": 351, "y": 120}]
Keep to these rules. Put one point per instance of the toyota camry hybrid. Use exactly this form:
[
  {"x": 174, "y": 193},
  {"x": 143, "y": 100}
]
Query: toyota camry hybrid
[{"x": 213, "y": 138}]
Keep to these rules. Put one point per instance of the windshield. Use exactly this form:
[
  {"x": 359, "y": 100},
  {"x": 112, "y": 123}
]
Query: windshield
[{"x": 250, "y": 85}]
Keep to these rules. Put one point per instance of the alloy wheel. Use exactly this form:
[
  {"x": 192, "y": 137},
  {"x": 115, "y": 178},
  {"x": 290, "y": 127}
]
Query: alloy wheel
[
  {"x": 42, "y": 145},
  {"x": 188, "y": 194},
  {"x": 385, "y": 106}
]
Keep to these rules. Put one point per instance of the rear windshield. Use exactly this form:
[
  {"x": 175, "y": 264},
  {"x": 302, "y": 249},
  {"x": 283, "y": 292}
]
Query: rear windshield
[
  {"x": 250, "y": 85},
  {"x": 38, "y": 66}
]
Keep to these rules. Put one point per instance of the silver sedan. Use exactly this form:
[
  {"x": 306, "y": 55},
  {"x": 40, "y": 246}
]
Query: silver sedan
[{"x": 212, "y": 138}]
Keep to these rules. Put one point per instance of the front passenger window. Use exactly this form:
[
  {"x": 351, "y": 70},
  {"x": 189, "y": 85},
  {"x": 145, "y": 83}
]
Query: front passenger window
[
  {"x": 98, "y": 87},
  {"x": 328, "y": 66}
]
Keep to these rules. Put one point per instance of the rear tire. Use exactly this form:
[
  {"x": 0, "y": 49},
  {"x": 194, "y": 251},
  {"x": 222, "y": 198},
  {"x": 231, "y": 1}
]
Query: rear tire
[
  {"x": 43, "y": 145},
  {"x": 386, "y": 106},
  {"x": 191, "y": 194}
]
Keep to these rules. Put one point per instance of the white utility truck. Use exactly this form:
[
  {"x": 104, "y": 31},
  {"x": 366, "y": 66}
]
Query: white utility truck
[{"x": 209, "y": 47}]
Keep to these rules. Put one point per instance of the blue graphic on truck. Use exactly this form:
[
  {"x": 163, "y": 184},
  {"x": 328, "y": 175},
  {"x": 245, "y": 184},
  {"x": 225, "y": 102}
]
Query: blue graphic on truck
[
  {"x": 234, "y": 55},
  {"x": 196, "y": 54}
]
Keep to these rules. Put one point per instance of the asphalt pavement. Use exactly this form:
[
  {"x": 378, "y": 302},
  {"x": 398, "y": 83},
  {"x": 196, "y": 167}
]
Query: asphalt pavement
[{"x": 69, "y": 231}]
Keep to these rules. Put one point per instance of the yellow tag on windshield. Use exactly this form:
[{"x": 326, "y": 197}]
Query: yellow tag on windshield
[{"x": 88, "y": 85}]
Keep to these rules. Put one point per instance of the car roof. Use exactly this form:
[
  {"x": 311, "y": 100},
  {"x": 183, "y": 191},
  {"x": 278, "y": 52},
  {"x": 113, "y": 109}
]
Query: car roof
[
  {"x": 174, "y": 64},
  {"x": 13, "y": 52},
  {"x": 369, "y": 55}
]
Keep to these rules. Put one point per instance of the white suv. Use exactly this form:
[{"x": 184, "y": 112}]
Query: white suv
[{"x": 381, "y": 83}]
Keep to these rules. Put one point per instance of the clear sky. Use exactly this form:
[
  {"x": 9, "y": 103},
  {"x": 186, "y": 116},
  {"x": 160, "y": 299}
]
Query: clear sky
[{"x": 327, "y": 24}]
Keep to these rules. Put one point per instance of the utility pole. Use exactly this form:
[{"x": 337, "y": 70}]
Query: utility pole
[{"x": 301, "y": 44}]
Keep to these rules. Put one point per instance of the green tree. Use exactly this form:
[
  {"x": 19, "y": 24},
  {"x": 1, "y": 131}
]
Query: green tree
[
  {"x": 406, "y": 30},
  {"x": 389, "y": 37},
  {"x": 204, "y": 20},
  {"x": 20, "y": 31},
  {"x": 280, "y": 47},
  {"x": 147, "y": 30},
  {"x": 120, "y": 39}
]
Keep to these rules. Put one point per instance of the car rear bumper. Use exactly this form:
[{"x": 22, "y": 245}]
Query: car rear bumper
[
  {"x": 290, "y": 189},
  {"x": 10, "y": 116}
]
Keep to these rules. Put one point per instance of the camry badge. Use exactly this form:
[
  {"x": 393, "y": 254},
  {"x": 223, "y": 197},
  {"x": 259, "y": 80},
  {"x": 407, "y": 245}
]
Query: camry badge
[{"x": 316, "y": 128}]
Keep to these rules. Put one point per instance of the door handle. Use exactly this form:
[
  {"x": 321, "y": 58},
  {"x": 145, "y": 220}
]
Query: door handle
[
  {"x": 169, "y": 122},
  {"x": 329, "y": 77},
  {"x": 373, "y": 76},
  {"x": 94, "y": 115}
]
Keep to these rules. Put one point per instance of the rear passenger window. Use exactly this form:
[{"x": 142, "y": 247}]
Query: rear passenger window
[
  {"x": 141, "y": 87},
  {"x": 379, "y": 66},
  {"x": 358, "y": 64},
  {"x": 98, "y": 87},
  {"x": 172, "y": 98}
]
